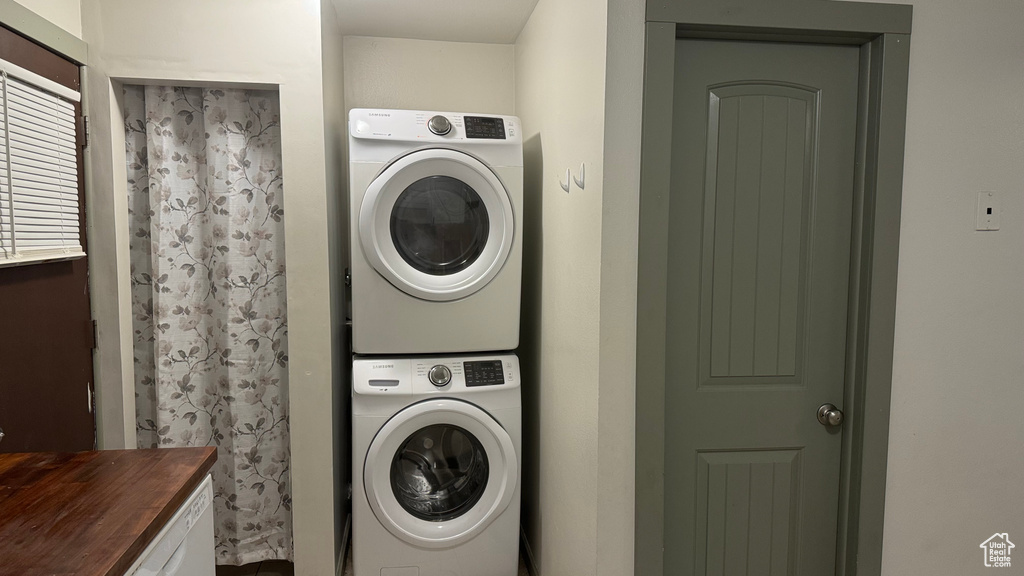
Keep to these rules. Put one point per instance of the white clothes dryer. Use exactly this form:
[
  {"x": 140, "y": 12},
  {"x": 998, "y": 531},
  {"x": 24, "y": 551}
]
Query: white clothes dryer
[
  {"x": 435, "y": 465},
  {"x": 436, "y": 231}
]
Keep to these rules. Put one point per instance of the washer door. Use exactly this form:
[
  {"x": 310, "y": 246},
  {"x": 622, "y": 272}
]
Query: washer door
[
  {"x": 439, "y": 472},
  {"x": 437, "y": 224}
]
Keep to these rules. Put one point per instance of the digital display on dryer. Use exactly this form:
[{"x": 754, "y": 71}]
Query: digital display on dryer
[
  {"x": 484, "y": 127},
  {"x": 484, "y": 373}
]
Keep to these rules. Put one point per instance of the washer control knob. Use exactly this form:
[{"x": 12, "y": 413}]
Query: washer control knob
[
  {"x": 440, "y": 375},
  {"x": 439, "y": 125}
]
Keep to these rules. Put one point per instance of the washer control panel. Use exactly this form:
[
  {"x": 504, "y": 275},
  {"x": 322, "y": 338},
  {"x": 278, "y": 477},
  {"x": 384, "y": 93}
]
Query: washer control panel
[
  {"x": 484, "y": 373},
  {"x": 434, "y": 374}
]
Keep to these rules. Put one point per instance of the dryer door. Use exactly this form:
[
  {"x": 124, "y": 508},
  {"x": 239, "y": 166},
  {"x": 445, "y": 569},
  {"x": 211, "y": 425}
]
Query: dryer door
[
  {"x": 437, "y": 224},
  {"x": 439, "y": 472}
]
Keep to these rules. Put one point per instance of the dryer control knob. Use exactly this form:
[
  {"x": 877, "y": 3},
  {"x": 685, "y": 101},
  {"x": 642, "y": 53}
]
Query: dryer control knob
[
  {"x": 439, "y": 125},
  {"x": 440, "y": 375}
]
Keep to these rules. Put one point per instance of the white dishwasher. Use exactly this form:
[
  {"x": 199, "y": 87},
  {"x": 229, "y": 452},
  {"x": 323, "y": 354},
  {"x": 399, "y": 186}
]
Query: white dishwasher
[{"x": 185, "y": 545}]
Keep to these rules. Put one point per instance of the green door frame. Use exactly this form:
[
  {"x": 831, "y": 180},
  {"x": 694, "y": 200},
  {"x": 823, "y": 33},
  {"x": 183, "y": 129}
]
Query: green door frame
[{"x": 883, "y": 33}]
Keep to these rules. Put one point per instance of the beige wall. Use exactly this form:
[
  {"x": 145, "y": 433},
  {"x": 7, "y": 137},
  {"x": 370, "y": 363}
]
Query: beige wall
[
  {"x": 337, "y": 226},
  {"x": 237, "y": 42},
  {"x": 64, "y": 13},
  {"x": 560, "y": 98},
  {"x": 955, "y": 468},
  {"x": 428, "y": 75}
]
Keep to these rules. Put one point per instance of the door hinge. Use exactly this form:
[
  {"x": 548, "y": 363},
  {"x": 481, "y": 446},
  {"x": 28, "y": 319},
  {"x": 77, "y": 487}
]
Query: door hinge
[
  {"x": 83, "y": 130},
  {"x": 93, "y": 334}
]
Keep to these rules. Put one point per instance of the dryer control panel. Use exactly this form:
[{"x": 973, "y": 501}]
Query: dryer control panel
[
  {"x": 377, "y": 135},
  {"x": 430, "y": 127}
]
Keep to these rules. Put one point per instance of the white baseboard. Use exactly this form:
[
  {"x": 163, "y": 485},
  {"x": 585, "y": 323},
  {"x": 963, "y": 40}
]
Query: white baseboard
[{"x": 531, "y": 564}]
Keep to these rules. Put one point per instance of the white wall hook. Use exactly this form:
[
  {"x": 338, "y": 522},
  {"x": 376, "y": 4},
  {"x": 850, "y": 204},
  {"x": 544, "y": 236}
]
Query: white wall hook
[
  {"x": 568, "y": 181},
  {"x": 579, "y": 181}
]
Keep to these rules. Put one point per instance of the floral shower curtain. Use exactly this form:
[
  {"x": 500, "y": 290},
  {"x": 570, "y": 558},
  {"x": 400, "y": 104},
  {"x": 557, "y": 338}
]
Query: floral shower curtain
[{"x": 208, "y": 299}]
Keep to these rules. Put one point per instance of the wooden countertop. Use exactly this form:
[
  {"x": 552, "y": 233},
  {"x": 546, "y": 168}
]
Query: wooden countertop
[{"x": 90, "y": 513}]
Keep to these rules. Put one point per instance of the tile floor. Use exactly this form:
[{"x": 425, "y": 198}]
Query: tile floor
[{"x": 278, "y": 568}]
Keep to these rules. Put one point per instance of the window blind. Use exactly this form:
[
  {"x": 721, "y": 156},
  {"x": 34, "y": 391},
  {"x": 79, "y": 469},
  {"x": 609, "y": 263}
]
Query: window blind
[{"x": 39, "y": 211}]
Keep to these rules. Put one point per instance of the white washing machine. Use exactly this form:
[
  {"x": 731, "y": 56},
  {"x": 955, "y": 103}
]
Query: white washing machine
[
  {"x": 436, "y": 476},
  {"x": 436, "y": 231}
]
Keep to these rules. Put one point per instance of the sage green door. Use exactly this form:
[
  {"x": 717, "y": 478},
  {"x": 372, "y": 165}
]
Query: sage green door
[{"x": 763, "y": 160}]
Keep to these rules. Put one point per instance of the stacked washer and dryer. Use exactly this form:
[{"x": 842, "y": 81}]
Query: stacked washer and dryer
[{"x": 436, "y": 268}]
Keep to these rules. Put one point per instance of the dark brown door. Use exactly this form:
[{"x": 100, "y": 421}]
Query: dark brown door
[{"x": 45, "y": 324}]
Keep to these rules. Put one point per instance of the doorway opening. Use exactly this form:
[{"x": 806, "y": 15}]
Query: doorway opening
[
  {"x": 878, "y": 36},
  {"x": 209, "y": 312}
]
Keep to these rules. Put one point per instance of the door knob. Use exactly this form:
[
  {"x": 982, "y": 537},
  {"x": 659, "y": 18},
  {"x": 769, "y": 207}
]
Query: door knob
[
  {"x": 829, "y": 415},
  {"x": 1, "y": 434}
]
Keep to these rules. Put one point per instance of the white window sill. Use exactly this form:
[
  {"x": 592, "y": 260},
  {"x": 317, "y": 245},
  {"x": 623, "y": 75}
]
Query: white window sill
[{"x": 40, "y": 256}]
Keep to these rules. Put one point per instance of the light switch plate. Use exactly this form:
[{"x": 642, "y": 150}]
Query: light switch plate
[{"x": 988, "y": 211}]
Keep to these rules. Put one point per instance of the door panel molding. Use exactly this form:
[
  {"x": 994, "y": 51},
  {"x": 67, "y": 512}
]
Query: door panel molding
[
  {"x": 756, "y": 487},
  {"x": 719, "y": 366},
  {"x": 883, "y": 33}
]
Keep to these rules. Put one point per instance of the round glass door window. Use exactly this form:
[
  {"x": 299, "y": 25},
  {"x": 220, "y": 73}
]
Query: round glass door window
[
  {"x": 439, "y": 225},
  {"x": 439, "y": 472}
]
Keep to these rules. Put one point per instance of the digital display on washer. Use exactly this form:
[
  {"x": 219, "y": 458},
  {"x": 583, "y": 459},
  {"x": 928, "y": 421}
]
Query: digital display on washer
[
  {"x": 484, "y": 127},
  {"x": 484, "y": 373}
]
